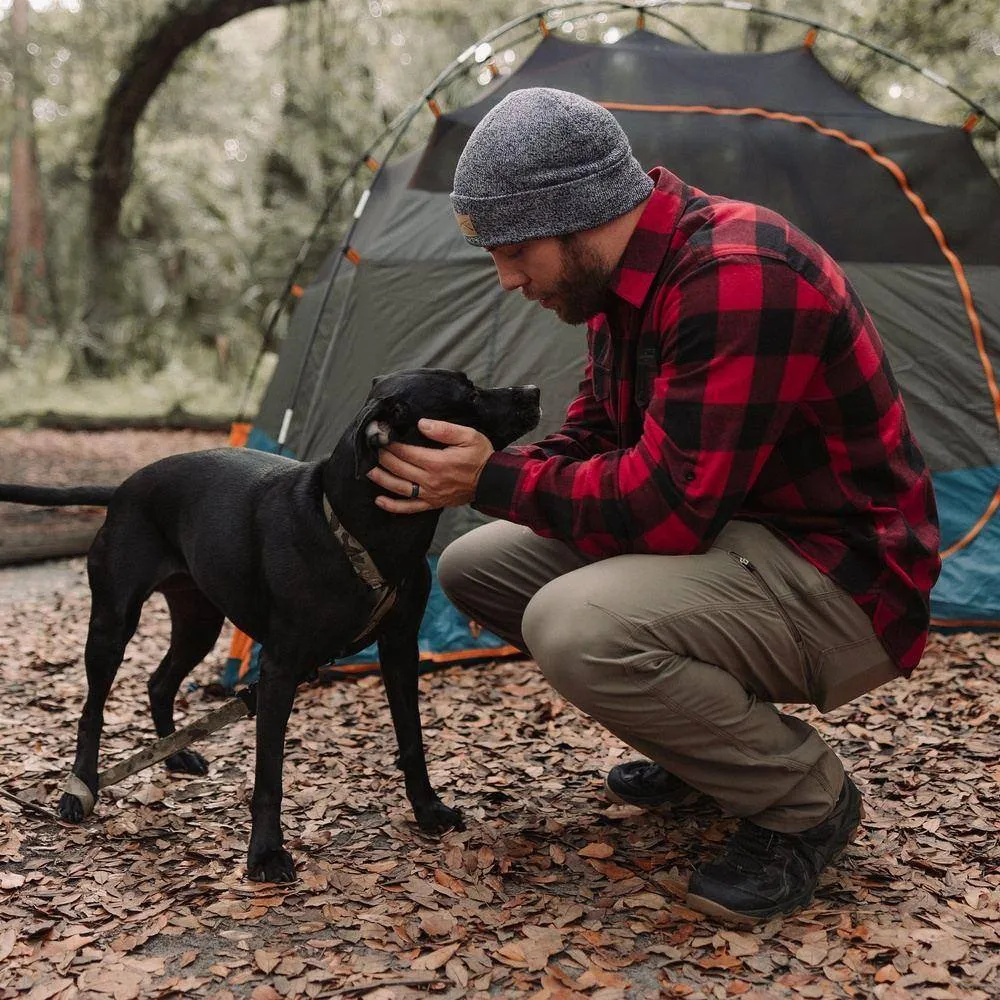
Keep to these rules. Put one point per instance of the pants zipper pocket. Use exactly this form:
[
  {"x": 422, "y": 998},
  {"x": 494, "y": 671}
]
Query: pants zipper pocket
[{"x": 766, "y": 587}]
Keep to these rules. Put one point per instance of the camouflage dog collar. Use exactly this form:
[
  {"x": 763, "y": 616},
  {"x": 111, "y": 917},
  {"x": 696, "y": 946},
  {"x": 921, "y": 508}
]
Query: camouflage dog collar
[
  {"x": 362, "y": 563},
  {"x": 366, "y": 570}
]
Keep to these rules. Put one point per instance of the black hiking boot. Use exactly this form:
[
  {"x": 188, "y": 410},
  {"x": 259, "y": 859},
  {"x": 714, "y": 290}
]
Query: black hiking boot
[
  {"x": 643, "y": 783},
  {"x": 764, "y": 873}
]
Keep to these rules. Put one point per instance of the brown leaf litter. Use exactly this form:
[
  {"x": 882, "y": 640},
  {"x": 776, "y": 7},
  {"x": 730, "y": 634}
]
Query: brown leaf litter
[{"x": 550, "y": 893}]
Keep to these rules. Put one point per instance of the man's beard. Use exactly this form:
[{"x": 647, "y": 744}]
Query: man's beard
[{"x": 582, "y": 289}]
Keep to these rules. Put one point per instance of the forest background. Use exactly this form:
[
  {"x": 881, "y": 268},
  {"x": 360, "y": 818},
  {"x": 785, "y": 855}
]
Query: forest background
[{"x": 157, "y": 294}]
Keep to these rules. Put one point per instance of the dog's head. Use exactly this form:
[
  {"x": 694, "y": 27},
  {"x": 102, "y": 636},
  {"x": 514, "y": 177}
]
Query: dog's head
[{"x": 396, "y": 402}]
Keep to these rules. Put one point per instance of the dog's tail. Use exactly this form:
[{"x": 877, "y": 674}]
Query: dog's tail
[{"x": 56, "y": 496}]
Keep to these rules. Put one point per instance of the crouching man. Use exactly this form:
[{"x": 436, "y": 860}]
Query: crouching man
[{"x": 734, "y": 512}]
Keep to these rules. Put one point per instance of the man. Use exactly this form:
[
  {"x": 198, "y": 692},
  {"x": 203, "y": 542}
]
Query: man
[{"x": 733, "y": 514}]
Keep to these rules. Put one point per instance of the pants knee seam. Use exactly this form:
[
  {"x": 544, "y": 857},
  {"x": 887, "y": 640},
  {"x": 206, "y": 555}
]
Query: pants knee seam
[{"x": 632, "y": 626}]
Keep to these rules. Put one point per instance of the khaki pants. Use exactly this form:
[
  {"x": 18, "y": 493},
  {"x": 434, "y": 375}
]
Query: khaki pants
[{"x": 681, "y": 657}]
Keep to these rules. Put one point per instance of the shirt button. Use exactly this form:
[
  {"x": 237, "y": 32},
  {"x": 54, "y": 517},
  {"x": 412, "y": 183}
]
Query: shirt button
[{"x": 689, "y": 476}]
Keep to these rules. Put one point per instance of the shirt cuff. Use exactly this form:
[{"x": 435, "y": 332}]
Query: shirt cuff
[{"x": 497, "y": 484}]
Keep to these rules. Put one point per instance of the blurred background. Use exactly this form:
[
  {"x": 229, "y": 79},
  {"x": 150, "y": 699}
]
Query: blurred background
[{"x": 163, "y": 162}]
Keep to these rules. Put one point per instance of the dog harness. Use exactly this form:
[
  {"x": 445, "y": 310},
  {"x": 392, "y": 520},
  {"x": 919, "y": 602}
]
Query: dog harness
[{"x": 364, "y": 568}]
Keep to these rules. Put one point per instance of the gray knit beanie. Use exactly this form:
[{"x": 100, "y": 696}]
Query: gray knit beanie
[{"x": 544, "y": 162}]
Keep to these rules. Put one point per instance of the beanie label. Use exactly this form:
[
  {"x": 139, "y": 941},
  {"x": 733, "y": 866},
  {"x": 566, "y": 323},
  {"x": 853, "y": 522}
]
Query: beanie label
[{"x": 466, "y": 225}]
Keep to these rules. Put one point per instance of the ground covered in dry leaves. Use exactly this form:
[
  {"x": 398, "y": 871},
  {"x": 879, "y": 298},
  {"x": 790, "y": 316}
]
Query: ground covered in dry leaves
[{"x": 550, "y": 892}]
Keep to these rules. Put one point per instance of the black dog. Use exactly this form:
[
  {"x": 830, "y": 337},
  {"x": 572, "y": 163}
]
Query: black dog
[{"x": 240, "y": 534}]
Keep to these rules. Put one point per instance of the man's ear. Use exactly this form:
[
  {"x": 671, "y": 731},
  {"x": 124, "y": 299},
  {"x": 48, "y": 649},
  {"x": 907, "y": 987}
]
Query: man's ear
[{"x": 378, "y": 424}]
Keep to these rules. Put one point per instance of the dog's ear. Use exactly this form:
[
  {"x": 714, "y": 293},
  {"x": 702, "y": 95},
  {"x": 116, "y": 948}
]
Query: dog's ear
[{"x": 378, "y": 423}]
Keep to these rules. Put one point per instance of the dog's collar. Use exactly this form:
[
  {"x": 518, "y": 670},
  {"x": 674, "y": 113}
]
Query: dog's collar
[
  {"x": 361, "y": 562},
  {"x": 366, "y": 570}
]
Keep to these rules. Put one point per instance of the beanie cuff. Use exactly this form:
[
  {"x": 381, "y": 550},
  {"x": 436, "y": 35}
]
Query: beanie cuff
[{"x": 554, "y": 210}]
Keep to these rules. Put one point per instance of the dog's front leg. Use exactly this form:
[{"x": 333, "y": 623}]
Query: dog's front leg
[
  {"x": 399, "y": 657},
  {"x": 267, "y": 860}
]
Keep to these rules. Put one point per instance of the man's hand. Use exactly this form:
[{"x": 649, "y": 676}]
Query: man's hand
[{"x": 446, "y": 477}]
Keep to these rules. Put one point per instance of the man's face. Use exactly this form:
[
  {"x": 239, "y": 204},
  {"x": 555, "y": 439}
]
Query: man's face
[{"x": 564, "y": 274}]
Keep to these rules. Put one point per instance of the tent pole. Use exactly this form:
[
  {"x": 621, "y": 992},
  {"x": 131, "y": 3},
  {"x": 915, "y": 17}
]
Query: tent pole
[
  {"x": 747, "y": 8},
  {"x": 300, "y": 257},
  {"x": 399, "y": 126},
  {"x": 365, "y": 160},
  {"x": 327, "y": 291},
  {"x": 657, "y": 16},
  {"x": 405, "y": 120}
]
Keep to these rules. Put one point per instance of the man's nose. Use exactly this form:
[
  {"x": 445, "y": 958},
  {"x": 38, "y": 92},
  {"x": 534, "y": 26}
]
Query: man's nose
[{"x": 511, "y": 278}]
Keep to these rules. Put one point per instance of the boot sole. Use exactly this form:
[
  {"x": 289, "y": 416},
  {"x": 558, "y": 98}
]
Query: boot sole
[
  {"x": 667, "y": 804},
  {"x": 713, "y": 909}
]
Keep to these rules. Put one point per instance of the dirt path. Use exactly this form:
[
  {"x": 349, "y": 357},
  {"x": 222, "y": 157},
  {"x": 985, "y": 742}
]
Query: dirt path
[
  {"x": 42, "y": 579},
  {"x": 60, "y": 458}
]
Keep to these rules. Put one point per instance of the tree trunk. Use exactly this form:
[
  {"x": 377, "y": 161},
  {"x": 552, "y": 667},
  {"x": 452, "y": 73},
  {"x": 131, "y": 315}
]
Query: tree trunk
[
  {"x": 182, "y": 24},
  {"x": 26, "y": 236},
  {"x": 148, "y": 65}
]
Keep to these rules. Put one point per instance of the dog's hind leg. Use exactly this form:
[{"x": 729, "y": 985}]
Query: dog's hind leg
[
  {"x": 399, "y": 658},
  {"x": 195, "y": 624},
  {"x": 112, "y": 624}
]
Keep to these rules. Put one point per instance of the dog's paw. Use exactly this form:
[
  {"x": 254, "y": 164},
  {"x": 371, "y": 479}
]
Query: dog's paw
[
  {"x": 71, "y": 809},
  {"x": 438, "y": 818},
  {"x": 273, "y": 866},
  {"x": 187, "y": 762}
]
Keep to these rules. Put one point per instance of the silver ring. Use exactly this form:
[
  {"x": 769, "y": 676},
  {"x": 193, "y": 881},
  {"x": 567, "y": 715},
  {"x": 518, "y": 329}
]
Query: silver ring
[{"x": 414, "y": 491}]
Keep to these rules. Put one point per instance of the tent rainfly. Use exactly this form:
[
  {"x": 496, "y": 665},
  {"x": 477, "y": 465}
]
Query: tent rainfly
[{"x": 907, "y": 208}]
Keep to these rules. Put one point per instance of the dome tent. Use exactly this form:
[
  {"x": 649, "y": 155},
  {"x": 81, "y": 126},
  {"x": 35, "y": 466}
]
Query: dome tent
[{"x": 907, "y": 208}]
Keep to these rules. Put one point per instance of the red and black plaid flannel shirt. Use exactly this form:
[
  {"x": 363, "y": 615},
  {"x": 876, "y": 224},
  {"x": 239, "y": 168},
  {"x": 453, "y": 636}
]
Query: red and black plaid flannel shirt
[{"x": 736, "y": 375}]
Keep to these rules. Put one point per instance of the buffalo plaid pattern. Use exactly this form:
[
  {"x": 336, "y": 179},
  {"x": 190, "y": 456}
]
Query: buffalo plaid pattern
[{"x": 735, "y": 374}]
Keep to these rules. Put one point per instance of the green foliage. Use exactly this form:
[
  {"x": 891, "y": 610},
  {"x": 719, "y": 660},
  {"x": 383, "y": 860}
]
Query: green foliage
[{"x": 257, "y": 126}]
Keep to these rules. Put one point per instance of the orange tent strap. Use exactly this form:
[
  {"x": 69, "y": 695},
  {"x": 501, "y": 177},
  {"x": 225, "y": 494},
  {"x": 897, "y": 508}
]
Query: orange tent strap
[
  {"x": 353, "y": 256},
  {"x": 240, "y": 648},
  {"x": 640, "y": 21},
  {"x": 371, "y": 163},
  {"x": 985, "y": 623},
  {"x": 976, "y": 528},
  {"x": 810, "y": 39},
  {"x": 897, "y": 172},
  {"x": 238, "y": 434},
  {"x": 297, "y": 291},
  {"x": 544, "y": 27},
  {"x": 970, "y": 122},
  {"x": 454, "y": 656},
  {"x": 462, "y": 654},
  {"x": 434, "y": 106}
]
